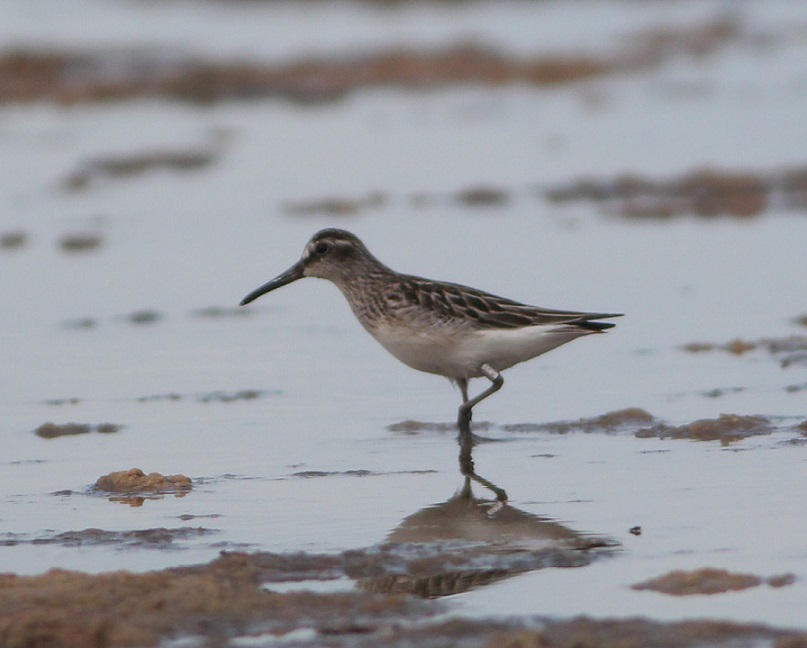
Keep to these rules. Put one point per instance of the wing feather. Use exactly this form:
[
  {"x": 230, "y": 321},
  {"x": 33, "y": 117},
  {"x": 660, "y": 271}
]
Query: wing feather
[{"x": 452, "y": 302}]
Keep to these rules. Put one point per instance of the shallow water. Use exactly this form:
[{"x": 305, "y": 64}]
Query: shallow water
[{"x": 309, "y": 463}]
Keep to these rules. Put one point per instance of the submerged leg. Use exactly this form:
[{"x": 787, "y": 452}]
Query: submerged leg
[{"x": 496, "y": 380}]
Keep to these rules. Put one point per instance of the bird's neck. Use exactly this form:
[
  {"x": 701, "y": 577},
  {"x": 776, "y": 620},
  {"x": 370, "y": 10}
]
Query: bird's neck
[{"x": 364, "y": 288}]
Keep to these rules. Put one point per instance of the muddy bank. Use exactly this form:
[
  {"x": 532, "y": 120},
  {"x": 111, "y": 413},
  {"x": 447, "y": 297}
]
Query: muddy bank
[
  {"x": 67, "y": 77},
  {"x": 219, "y": 600},
  {"x": 233, "y": 596}
]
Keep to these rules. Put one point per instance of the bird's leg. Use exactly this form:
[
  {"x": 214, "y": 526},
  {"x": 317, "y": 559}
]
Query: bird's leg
[
  {"x": 464, "y": 417},
  {"x": 464, "y": 424},
  {"x": 463, "y": 385},
  {"x": 466, "y": 438}
]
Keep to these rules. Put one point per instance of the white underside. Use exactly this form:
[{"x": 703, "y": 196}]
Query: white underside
[{"x": 460, "y": 354}]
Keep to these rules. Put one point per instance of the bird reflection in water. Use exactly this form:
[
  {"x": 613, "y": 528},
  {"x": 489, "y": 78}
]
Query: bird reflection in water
[{"x": 467, "y": 542}]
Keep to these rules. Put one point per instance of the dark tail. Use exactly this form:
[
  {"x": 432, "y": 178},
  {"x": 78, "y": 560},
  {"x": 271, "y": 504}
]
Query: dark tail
[{"x": 589, "y": 323}]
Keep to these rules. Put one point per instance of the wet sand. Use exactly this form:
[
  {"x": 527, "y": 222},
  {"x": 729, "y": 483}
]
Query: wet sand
[{"x": 229, "y": 599}]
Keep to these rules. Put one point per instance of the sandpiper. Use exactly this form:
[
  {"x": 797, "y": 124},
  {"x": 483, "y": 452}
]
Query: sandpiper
[{"x": 433, "y": 326}]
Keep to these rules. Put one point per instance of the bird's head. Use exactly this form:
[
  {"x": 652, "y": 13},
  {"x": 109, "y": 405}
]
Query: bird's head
[{"x": 333, "y": 254}]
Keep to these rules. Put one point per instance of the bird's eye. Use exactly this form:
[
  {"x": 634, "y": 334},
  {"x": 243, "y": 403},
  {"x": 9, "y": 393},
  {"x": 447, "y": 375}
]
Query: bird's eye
[{"x": 322, "y": 248}]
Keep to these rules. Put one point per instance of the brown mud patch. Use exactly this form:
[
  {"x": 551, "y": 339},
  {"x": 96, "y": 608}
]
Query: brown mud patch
[
  {"x": 616, "y": 421},
  {"x": 727, "y": 428},
  {"x": 126, "y": 166},
  {"x": 13, "y": 240},
  {"x": 630, "y": 633},
  {"x": 788, "y": 351},
  {"x": 483, "y": 196},
  {"x": 80, "y": 242},
  {"x": 144, "y": 316},
  {"x": 54, "y": 430},
  {"x": 709, "y": 581},
  {"x": 67, "y": 77},
  {"x": 702, "y": 192},
  {"x": 31, "y": 75},
  {"x": 135, "y": 480}
]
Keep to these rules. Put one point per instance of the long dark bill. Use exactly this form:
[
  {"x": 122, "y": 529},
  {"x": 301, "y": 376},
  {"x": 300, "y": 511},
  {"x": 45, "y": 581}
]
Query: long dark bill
[{"x": 292, "y": 274}]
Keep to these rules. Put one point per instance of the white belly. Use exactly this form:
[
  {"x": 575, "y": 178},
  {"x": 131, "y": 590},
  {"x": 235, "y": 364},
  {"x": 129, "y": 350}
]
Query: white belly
[{"x": 460, "y": 353}]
